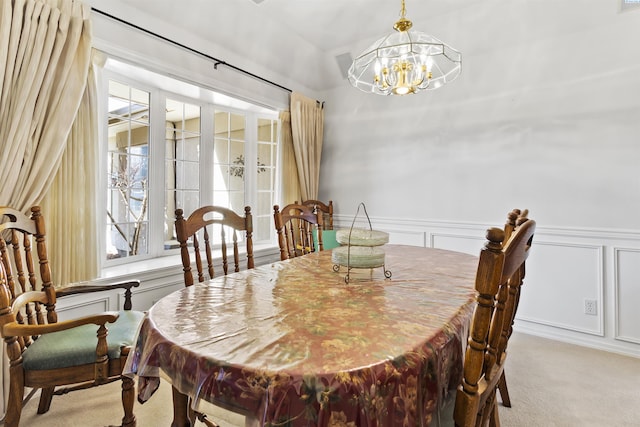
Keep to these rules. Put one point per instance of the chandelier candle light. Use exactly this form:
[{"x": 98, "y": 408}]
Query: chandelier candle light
[{"x": 404, "y": 62}]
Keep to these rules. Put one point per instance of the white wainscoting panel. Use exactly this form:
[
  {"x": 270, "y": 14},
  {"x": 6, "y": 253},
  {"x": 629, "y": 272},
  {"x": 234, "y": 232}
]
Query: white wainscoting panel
[
  {"x": 559, "y": 277},
  {"x": 411, "y": 238},
  {"x": 627, "y": 294},
  {"x": 146, "y": 297},
  {"x": 455, "y": 242},
  {"x": 78, "y": 306}
]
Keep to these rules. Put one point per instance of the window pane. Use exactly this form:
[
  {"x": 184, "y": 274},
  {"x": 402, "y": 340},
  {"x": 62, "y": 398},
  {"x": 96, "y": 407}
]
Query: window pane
[
  {"x": 190, "y": 201},
  {"x": 221, "y": 151},
  {"x": 128, "y": 171},
  {"x": 139, "y": 238},
  {"x": 237, "y": 204},
  {"x": 265, "y": 180},
  {"x": 264, "y": 130},
  {"x": 236, "y": 127},
  {"x": 229, "y": 161},
  {"x": 188, "y": 174},
  {"x": 221, "y": 198},
  {"x": 116, "y": 242},
  {"x": 141, "y": 98},
  {"x": 262, "y": 228},
  {"x": 266, "y": 168},
  {"x": 237, "y": 152},
  {"x": 222, "y": 123},
  {"x": 264, "y": 155},
  {"x": 236, "y": 182},
  {"x": 265, "y": 202},
  {"x": 221, "y": 178},
  {"x": 182, "y": 164}
]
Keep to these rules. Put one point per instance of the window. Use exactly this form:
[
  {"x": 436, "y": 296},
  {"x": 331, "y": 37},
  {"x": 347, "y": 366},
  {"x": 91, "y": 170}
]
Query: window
[
  {"x": 228, "y": 161},
  {"x": 173, "y": 145},
  {"x": 128, "y": 171},
  {"x": 266, "y": 180},
  {"x": 182, "y": 163}
]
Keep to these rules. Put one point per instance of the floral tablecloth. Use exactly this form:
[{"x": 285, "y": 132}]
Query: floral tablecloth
[{"x": 292, "y": 344}]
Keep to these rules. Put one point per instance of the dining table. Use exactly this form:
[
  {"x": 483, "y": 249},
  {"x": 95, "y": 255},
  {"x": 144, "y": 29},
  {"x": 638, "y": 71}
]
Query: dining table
[{"x": 292, "y": 343}]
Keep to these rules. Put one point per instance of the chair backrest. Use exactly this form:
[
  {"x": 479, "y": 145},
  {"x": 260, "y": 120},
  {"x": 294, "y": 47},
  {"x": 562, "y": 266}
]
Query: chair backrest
[
  {"x": 514, "y": 218},
  {"x": 21, "y": 235},
  {"x": 325, "y": 209},
  {"x": 196, "y": 228},
  {"x": 499, "y": 277},
  {"x": 295, "y": 225}
]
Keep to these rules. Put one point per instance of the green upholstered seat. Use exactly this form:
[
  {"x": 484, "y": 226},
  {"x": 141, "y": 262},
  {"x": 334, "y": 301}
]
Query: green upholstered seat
[{"x": 77, "y": 346}]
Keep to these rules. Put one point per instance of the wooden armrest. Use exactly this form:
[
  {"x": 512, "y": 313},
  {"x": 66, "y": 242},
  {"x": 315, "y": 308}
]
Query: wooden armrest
[
  {"x": 27, "y": 297},
  {"x": 85, "y": 289},
  {"x": 16, "y": 329}
]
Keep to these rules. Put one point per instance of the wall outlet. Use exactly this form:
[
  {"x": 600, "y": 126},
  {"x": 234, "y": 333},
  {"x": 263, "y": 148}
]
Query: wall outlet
[{"x": 590, "y": 307}]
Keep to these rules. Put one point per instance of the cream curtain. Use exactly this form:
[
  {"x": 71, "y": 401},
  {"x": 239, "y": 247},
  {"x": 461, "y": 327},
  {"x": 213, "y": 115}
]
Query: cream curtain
[
  {"x": 70, "y": 205},
  {"x": 307, "y": 121},
  {"x": 45, "y": 48},
  {"x": 290, "y": 182}
]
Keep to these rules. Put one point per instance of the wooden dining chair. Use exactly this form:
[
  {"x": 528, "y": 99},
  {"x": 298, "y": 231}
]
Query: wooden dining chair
[
  {"x": 220, "y": 221},
  {"x": 514, "y": 218},
  {"x": 295, "y": 225},
  {"x": 499, "y": 277},
  {"x": 195, "y": 230},
  {"x": 325, "y": 209},
  {"x": 54, "y": 356}
]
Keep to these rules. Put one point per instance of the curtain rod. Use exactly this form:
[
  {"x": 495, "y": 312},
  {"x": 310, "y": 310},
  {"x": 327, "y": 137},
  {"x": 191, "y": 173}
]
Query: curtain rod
[{"x": 215, "y": 60}]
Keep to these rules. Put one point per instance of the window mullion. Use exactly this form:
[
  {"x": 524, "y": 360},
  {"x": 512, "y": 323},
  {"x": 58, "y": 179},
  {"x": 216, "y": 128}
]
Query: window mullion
[
  {"x": 207, "y": 154},
  {"x": 251, "y": 153},
  {"x": 156, "y": 173}
]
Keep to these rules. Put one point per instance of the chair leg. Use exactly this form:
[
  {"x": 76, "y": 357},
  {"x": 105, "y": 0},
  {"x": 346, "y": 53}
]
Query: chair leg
[
  {"x": 204, "y": 420},
  {"x": 191, "y": 413},
  {"x": 194, "y": 415},
  {"x": 128, "y": 399},
  {"x": 16, "y": 394},
  {"x": 180, "y": 409},
  {"x": 46, "y": 394},
  {"x": 494, "y": 421},
  {"x": 504, "y": 392}
]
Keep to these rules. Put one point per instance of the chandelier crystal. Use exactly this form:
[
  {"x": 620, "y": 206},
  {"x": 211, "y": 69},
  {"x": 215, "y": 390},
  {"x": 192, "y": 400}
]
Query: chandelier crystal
[{"x": 405, "y": 62}]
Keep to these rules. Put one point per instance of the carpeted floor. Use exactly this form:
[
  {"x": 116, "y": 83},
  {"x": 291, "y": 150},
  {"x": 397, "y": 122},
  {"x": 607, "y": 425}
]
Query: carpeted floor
[
  {"x": 554, "y": 384},
  {"x": 550, "y": 384}
]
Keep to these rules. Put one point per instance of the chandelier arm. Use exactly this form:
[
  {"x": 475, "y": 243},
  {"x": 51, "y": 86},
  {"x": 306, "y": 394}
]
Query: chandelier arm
[{"x": 436, "y": 66}]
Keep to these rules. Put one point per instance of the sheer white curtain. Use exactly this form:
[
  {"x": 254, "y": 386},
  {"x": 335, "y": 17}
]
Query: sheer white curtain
[
  {"x": 45, "y": 50},
  {"x": 307, "y": 122}
]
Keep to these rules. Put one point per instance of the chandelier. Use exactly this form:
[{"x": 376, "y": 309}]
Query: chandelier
[{"x": 404, "y": 62}]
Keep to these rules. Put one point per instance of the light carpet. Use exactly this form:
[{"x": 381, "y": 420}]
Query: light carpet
[{"x": 550, "y": 384}]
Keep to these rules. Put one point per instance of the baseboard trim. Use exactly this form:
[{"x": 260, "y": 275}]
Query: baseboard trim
[{"x": 576, "y": 338}]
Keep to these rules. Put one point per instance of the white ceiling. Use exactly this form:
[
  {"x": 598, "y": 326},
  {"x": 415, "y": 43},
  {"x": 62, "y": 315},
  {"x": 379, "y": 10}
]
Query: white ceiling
[
  {"x": 297, "y": 42},
  {"x": 327, "y": 24}
]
